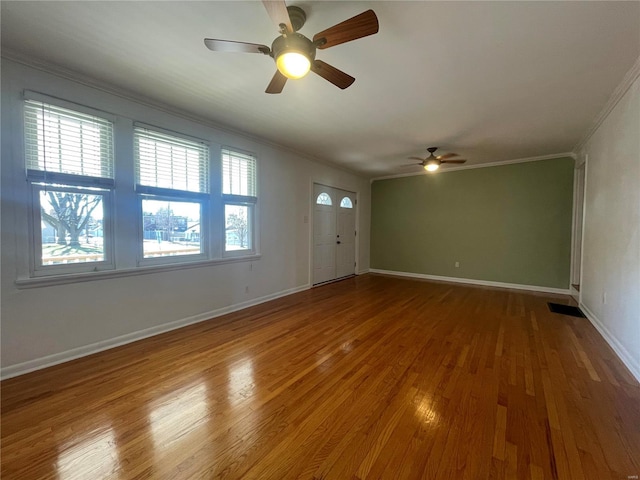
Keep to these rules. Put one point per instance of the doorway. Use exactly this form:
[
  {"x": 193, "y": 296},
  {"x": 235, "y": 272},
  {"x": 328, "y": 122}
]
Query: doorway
[
  {"x": 578, "y": 216},
  {"x": 334, "y": 234}
]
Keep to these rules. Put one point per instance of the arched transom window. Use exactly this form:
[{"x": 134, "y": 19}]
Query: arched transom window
[
  {"x": 324, "y": 199},
  {"x": 346, "y": 203}
]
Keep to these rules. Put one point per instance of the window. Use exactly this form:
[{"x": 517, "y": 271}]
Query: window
[
  {"x": 239, "y": 195},
  {"x": 69, "y": 164},
  {"x": 346, "y": 203},
  {"x": 324, "y": 199},
  {"x": 172, "y": 182},
  {"x": 81, "y": 196}
]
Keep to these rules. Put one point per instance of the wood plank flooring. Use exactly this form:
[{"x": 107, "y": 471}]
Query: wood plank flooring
[{"x": 373, "y": 377}]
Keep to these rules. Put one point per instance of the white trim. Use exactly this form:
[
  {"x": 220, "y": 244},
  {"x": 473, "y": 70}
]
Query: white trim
[
  {"x": 473, "y": 281},
  {"x": 74, "y": 353},
  {"x": 125, "y": 272},
  {"x": 584, "y": 219},
  {"x": 481, "y": 165},
  {"x": 312, "y": 205},
  {"x": 616, "y": 96},
  {"x": 616, "y": 346},
  {"x": 362, "y": 272},
  {"x": 575, "y": 294},
  {"x": 577, "y": 233},
  {"x": 31, "y": 95}
]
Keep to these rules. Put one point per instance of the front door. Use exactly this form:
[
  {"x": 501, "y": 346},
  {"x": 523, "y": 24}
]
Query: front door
[
  {"x": 334, "y": 229},
  {"x": 346, "y": 234}
]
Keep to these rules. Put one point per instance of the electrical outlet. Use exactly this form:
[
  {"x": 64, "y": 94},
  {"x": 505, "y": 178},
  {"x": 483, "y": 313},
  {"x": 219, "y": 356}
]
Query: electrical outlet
[
  {"x": 246, "y": 289},
  {"x": 604, "y": 298},
  {"x": 457, "y": 264}
]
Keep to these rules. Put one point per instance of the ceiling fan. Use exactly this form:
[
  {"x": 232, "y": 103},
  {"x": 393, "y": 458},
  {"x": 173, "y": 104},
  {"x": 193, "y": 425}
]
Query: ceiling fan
[
  {"x": 293, "y": 52},
  {"x": 432, "y": 162}
]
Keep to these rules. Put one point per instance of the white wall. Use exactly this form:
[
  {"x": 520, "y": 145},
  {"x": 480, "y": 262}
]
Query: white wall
[
  {"x": 611, "y": 235},
  {"x": 46, "y": 325}
]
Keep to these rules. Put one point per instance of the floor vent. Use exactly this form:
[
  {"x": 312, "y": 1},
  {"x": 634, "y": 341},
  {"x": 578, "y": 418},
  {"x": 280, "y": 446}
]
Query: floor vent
[{"x": 566, "y": 310}]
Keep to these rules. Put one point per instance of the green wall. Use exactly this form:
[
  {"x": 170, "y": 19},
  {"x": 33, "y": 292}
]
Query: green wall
[{"x": 508, "y": 223}]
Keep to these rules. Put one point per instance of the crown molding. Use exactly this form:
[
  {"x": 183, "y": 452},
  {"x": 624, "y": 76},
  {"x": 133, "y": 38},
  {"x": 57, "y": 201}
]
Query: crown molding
[
  {"x": 483, "y": 165},
  {"x": 91, "y": 82},
  {"x": 630, "y": 77}
]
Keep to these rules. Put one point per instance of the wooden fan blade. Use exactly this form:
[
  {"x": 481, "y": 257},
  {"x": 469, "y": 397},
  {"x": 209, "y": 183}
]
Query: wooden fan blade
[
  {"x": 332, "y": 74},
  {"x": 356, "y": 27},
  {"x": 235, "y": 47},
  {"x": 277, "y": 10},
  {"x": 446, "y": 155},
  {"x": 452, "y": 161},
  {"x": 277, "y": 83},
  {"x": 417, "y": 158}
]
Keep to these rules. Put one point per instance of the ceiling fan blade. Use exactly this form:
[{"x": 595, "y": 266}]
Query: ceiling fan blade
[
  {"x": 277, "y": 10},
  {"x": 277, "y": 83},
  {"x": 446, "y": 155},
  {"x": 417, "y": 158},
  {"x": 332, "y": 74},
  {"x": 453, "y": 161},
  {"x": 235, "y": 47},
  {"x": 356, "y": 27}
]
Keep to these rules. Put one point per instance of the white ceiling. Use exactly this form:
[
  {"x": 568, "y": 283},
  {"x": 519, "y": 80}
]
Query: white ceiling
[{"x": 492, "y": 81}]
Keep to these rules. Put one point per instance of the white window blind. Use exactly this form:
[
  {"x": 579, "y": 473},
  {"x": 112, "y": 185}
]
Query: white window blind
[
  {"x": 166, "y": 161},
  {"x": 238, "y": 173},
  {"x": 59, "y": 140}
]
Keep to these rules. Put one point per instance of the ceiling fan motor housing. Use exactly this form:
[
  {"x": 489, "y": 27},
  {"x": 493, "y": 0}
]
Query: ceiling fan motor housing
[
  {"x": 297, "y": 17},
  {"x": 293, "y": 42}
]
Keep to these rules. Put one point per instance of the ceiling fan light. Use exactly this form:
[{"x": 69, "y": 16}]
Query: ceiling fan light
[
  {"x": 431, "y": 167},
  {"x": 293, "y": 64}
]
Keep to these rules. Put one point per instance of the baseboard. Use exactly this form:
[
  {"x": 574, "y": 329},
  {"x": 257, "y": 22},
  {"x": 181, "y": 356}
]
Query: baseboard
[
  {"x": 471, "y": 281},
  {"x": 618, "y": 348},
  {"x": 74, "y": 353},
  {"x": 362, "y": 272},
  {"x": 575, "y": 294}
]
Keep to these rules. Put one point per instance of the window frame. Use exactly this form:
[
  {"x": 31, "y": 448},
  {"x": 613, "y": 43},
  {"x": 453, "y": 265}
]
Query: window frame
[
  {"x": 147, "y": 192},
  {"x": 122, "y": 220},
  {"x": 166, "y": 197},
  {"x": 249, "y": 201},
  {"x": 37, "y": 268},
  {"x": 323, "y": 203},
  {"x": 251, "y": 237},
  {"x": 350, "y": 204},
  {"x": 42, "y": 180}
]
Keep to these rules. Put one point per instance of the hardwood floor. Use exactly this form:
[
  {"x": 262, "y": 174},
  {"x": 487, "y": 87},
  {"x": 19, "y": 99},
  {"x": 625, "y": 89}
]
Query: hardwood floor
[{"x": 372, "y": 377}]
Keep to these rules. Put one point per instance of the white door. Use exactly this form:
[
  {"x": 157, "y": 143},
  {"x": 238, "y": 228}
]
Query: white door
[
  {"x": 324, "y": 235},
  {"x": 334, "y": 226},
  {"x": 346, "y": 234}
]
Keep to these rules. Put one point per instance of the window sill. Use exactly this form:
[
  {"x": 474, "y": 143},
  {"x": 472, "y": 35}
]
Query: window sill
[{"x": 36, "y": 282}]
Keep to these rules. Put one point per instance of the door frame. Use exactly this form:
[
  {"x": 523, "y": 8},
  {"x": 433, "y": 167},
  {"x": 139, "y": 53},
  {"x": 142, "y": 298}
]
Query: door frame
[
  {"x": 577, "y": 225},
  {"x": 310, "y": 233}
]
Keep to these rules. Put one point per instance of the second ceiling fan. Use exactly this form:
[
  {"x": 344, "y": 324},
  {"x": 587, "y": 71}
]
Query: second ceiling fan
[
  {"x": 294, "y": 53},
  {"x": 432, "y": 162}
]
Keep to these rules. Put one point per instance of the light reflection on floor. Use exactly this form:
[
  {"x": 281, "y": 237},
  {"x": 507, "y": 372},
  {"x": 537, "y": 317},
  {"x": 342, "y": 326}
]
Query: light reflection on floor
[
  {"x": 241, "y": 382},
  {"x": 94, "y": 456},
  {"x": 426, "y": 412},
  {"x": 176, "y": 416}
]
